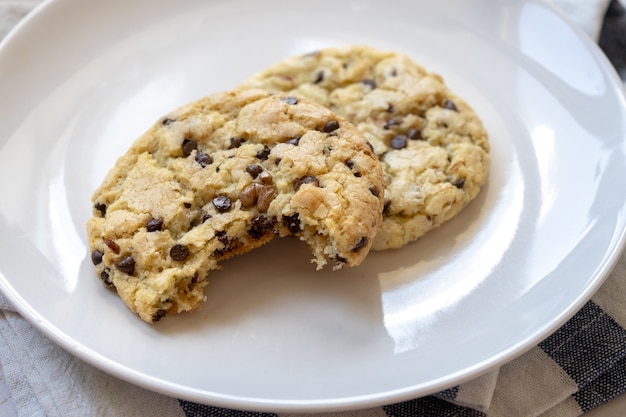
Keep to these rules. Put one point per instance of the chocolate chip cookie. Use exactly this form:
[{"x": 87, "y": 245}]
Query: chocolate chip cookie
[
  {"x": 432, "y": 145},
  {"x": 222, "y": 176}
]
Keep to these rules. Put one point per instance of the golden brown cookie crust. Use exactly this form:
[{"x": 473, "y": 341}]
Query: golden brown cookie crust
[
  {"x": 224, "y": 175},
  {"x": 433, "y": 147}
]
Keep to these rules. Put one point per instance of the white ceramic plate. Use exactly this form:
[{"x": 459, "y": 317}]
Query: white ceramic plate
[{"x": 81, "y": 80}]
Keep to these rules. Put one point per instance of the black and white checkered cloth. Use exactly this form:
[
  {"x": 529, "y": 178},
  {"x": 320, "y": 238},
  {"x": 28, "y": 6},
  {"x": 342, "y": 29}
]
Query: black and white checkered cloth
[{"x": 579, "y": 367}]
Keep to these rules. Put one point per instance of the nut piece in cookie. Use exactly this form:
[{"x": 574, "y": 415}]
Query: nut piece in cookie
[
  {"x": 224, "y": 175},
  {"x": 432, "y": 145}
]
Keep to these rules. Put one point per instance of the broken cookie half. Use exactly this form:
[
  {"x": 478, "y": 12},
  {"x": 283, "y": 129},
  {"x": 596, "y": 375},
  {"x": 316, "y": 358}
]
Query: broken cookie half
[{"x": 224, "y": 175}]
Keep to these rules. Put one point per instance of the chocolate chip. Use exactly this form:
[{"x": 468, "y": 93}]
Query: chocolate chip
[
  {"x": 112, "y": 245},
  {"x": 414, "y": 134},
  {"x": 261, "y": 225},
  {"x": 222, "y": 237},
  {"x": 390, "y": 108},
  {"x": 340, "y": 259},
  {"x": 277, "y": 161},
  {"x": 126, "y": 265},
  {"x": 309, "y": 179},
  {"x": 179, "y": 252},
  {"x": 360, "y": 244},
  {"x": 203, "y": 159},
  {"x": 105, "y": 278},
  {"x": 393, "y": 72},
  {"x": 391, "y": 122},
  {"x": 369, "y": 83},
  {"x": 229, "y": 245},
  {"x": 264, "y": 153},
  {"x": 189, "y": 145},
  {"x": 460, "y": 183},
  {"x": 158, "y": 315},
  {"x": 290, "y": 100},
  {"x": 168, "y": 121},
  {"x": 319, "y": 77},
  {"x": 236, "y": 142},
  {"x": 187, "y": 205},
  {"x": 294, "y": 141},
  {"x": 398, "y": 142},
  {"x": 102, "y": 208},
  {"x": 254, "y": 170},
  {"x": 96, "y": 257},
  {"x": 154, "y": 225},
  {"x": 292, "y": 223},
  {"x": 330, "y": 126},
  {"x": 222, "y": 203},
  {"x": 449, "y": 104},
  {"x": 374, "y": 191},
  {"x": 205, "y": 217},
  {"x": 350, "y": 164}
]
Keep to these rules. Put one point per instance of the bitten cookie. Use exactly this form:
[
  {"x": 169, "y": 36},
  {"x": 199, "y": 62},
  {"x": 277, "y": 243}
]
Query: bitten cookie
[
  {"x": 221, "y": 176},
  {"x": 433, "y": 147}
]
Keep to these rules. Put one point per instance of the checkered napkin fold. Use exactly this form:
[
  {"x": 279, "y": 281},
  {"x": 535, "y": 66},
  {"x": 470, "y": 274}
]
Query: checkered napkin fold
[{"x": 577, "y": 368}]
